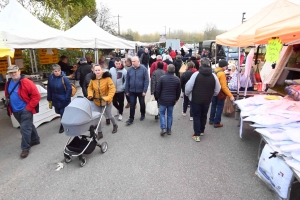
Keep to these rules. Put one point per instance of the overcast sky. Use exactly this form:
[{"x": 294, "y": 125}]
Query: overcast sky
[{"x": 190, "y": 15}]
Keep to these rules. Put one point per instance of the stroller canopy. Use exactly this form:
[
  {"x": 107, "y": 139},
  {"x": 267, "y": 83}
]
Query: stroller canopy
[{"x": 78, "y": 112}]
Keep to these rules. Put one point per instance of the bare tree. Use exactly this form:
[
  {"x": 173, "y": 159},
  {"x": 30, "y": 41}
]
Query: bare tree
[
  {"x": 211, "y": 32},
  {"x": 105, "y": 19}
]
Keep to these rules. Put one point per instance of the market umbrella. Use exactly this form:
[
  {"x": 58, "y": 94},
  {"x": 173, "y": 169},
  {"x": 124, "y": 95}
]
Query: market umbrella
[
  {"x": 7, "y": 52},
  {"x": 286, "y": 30},
  {"x": 244, "y": 35}
]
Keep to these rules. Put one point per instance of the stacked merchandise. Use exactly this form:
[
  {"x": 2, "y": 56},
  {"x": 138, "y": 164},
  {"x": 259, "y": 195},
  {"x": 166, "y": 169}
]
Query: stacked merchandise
[{"x": 278, "y": 120}]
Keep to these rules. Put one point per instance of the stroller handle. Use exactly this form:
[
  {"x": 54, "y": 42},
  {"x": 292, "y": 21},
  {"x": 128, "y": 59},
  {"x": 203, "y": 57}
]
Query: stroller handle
[{"x": 101, "y": 115}]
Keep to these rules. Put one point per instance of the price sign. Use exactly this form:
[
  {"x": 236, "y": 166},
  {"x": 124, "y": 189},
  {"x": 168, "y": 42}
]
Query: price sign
[
  {"x": 46, "y": 58},
  {"x": 273, "y": 50}
]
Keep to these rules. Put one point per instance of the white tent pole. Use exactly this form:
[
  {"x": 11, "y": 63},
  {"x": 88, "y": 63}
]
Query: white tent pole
[
  {"x": 31, "y": 61},
  {"x": 8, "y": 61},
  {"x": 34, "y": 59},
  {"x": 83, "y": 53}
]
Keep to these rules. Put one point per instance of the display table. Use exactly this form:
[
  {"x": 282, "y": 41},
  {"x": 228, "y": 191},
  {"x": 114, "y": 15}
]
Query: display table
[
  {"x": 296, "y": 175},
  {"x": 45, "y": 113}
]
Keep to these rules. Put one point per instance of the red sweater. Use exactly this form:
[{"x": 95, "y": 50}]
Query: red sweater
[
  {"x": 28, "y": 92},
  {"x": 173, "y": 54},
  {"x": 154, "y": 66}
]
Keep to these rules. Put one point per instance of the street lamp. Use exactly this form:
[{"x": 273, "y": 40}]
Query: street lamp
[
  {"x": 243, "y": 17},
  {"x": 165, "y": 31}
]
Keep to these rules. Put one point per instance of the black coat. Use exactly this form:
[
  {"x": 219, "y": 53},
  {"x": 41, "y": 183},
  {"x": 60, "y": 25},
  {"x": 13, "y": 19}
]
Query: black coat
[
  {"x": 185, "y": 78},
  {"x": 177, "y": 63},
  {"x": 168, "y": 61},
  {"x": 65, "y": 68},
  {"x": 82, "y": 71},
  {"x": 168, "y": 90}
]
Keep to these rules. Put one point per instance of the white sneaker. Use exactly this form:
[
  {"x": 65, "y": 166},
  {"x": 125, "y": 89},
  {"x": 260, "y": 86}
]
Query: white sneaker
[
  {"x": 201, "y": 134},
  {"x": 183, "y": 114},
  {"x": 120, "y": 117},
  {"x": 191, "y": 119}
]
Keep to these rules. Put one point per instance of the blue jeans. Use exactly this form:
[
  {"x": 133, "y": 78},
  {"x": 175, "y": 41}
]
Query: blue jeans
[
  {"x": 200, "y": 116},
  {"x": 216, "y": 110},
  {"x": 133, "y": 97},
  {"x": 162, "y": 119},
  {"x": 28, "y": 131},
  {"x": 185, "y": 105},
  {"x": 59, "y": 111}
]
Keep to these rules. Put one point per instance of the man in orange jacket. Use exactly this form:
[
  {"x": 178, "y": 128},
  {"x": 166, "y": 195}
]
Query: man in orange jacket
[{"x": 216, "y": 103}]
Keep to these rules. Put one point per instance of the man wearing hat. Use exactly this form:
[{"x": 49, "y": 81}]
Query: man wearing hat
[
  {"x": 217, "y": 104},
  {"x": 83, "y": 69},
  {"x": 23, "y": 97}
]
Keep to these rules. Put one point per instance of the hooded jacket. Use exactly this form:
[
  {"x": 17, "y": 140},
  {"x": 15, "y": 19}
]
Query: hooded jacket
[
  {"x": 154, "y": 79},
  {"x": 202, "y": 86},
  {"x": 177, "y": 63},
  {"x": 137, "y": 80},
  {"x": 57, "y": 92},
  {"x": 102, "y": 88},
  {"x": 222, "y": 79},
  {"x": 118, "y": 76},
  {"x": 154, "y": 66}
]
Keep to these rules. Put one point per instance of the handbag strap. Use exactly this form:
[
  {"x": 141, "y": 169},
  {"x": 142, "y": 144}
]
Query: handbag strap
[
  {"x": 13, "y": 87},
  {"x": 63, "y": 82}
]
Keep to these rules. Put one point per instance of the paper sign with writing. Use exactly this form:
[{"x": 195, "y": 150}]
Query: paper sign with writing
[
  {"x": 273, "y": 50},
  {"x": 48, "y": 58}
]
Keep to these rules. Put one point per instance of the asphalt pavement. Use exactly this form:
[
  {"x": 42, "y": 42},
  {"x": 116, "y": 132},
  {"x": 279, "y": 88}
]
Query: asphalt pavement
[{"x": 139, "y": 163}]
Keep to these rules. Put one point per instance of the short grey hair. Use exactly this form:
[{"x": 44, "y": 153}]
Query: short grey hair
[
  {"x": 171, "y": 68},
  {"x": 205, "y": 61},
  {"x": 159, "y": 57},
  {"x": 168, "y": 57},
  {"x": 56, "y": 67},
  {"x": 178, "y": 57}
]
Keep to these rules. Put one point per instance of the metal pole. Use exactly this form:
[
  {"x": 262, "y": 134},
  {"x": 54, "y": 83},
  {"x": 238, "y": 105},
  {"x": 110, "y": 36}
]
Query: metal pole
[
  {"x": 8, "y": 61},
  {"x": 165, "y": 31},
  {"x": 169, "y": 33},
  {"x": 118, "y": 24},
  {"x": 31, "y": 61},
  {"x": 34, "y": 59}
]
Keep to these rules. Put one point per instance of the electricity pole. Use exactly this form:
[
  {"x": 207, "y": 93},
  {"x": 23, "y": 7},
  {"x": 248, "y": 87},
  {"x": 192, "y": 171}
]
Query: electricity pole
[
  {"x": 165, "y": 31},
  {"x": 169, "y": 33},
  {"x": 118, "y": 25}
]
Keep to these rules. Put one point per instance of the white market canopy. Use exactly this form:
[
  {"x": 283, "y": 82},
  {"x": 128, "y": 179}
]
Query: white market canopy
[
  {"x": 244, "y": 35},
  {"x": 86, "y": 34},
  {"x": 20, "y": 29}
]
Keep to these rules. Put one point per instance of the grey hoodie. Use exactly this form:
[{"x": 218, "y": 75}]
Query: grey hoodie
[{"x": 118, "y": 76}]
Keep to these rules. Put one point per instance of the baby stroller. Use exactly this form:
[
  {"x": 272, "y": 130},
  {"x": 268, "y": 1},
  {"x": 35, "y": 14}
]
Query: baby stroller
[{"x": 81, "y": 123}]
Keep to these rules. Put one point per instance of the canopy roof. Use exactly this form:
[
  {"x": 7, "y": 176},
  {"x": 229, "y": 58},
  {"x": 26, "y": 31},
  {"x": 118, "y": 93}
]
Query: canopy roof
[
  {"x": 20, "y": 29},
  {"x": 86, "y": 34},
  {"x": 7, "y": 52},
  {"x": 244, "y": 35},
  {"x": 287, "y": 30}
]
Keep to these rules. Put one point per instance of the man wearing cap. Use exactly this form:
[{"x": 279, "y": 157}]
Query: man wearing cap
[
  {"x": 23, "y": 97},
  {"x": 82, "y": 71},
  {"x": 65, "y": 67},
  {"x": 217, "y": 104}
]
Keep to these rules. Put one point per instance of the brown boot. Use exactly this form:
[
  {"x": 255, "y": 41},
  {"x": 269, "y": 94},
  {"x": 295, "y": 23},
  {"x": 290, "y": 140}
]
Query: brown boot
[
  {"x": 115, "y": 128},
  {"x": 218, "y": 125},
  {"x": 127, "y": 105},
  {"x": 100, "y": 135},
  {"x": 24, "y": 154}
]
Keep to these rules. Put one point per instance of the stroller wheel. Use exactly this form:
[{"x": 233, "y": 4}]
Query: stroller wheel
[
  {"x": 104, "y": 147},
  {"x": 83, "y": 162},
  {"x": 68, "y": 160}
]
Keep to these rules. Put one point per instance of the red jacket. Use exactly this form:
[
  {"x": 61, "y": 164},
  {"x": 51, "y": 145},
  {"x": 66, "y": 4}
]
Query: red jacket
[
  {"x": 28, "y": 92},
  {"x": 154, "y": 66},
  {"x": 173, "y": 54}
]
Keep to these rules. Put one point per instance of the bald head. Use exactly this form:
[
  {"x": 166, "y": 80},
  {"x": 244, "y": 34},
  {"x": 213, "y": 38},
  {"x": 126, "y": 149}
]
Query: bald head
[{"x": 135, "y": 61}]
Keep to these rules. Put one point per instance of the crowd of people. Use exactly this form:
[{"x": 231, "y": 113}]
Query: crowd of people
[{"x": 108, "y": 84}]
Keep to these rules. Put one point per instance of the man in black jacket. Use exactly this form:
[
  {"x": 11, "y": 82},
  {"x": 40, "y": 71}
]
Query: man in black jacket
[
  {"x": 201, "y": 87},
  {"x": 65, "y": 67},
  {"x": 178, "y": 63},
  {"x": 145, "y": 57},
  {"x": 183, "y": 80},
  {"x": 82, "y": 71},
  {"x": 168, "y": 93}
]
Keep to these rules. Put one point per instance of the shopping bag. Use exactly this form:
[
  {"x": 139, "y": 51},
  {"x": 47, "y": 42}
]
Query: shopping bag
[
  {"x": 228, "y": 107},
  {"x": 151, "y": 107},
  {"x": 183, "y": 69}
]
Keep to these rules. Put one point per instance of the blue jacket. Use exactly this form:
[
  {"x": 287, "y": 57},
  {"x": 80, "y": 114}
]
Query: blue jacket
[
  {"x": 56, "y": 91},
  {"x": 137, "y": 80},
  {"x": 168, "y": 90}
]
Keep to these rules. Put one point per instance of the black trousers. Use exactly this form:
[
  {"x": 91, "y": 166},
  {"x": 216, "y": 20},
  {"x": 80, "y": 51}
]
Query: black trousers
[{"x": 118, "y": 102}]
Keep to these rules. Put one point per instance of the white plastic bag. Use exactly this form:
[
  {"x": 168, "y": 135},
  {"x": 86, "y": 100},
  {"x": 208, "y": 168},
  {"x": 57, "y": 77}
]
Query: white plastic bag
[
  {"x": 274, "y": 172},
  {"x": 151, "y": 107}
]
